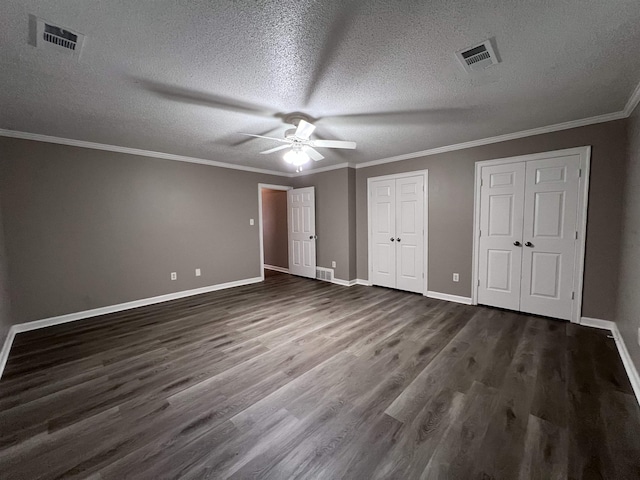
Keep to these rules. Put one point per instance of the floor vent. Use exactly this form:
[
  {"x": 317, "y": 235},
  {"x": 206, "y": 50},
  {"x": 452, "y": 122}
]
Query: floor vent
[
  {"x": 478, "y": 57},
  {"x": 325, "y": 274},
  {"x": 53, "y": 37}
]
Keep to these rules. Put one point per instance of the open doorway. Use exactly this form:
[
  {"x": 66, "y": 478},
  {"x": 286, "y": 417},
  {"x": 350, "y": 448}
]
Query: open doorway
[{"x": 274, "y": 249}]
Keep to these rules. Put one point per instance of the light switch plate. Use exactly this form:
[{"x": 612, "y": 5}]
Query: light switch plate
[
  {"x": 251, "y": 221},
  {"x": 198, "y": 272}
]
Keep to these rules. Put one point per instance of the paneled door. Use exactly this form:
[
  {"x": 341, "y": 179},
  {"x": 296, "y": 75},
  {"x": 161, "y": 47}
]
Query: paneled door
[
  {"x": 550, "y": 234},
  {"x": 529, "y": 235},
  {"x": 383, "y": 233},
  {"x": 501, "y": 218},
  {"x": 410, "y": 234},
  {"x": 301, "y": 209},
  {"x": 397, "y": 232}
]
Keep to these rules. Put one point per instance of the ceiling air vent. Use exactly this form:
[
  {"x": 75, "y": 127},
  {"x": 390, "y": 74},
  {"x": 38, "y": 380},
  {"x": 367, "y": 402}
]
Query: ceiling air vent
[
  {"x": 477, "y": 57},
  {"x": 61, "y": 39}
]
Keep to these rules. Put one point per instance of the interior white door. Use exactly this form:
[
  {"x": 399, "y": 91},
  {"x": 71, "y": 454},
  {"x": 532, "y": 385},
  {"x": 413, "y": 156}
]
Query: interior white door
[
  {"x": 301, "y": 208},
  {"x": 410, "y": 234},
  {"x": 501, "y": 220},
  {"x": 550, "y": 236},
  {"x": 383, "y": 233}
]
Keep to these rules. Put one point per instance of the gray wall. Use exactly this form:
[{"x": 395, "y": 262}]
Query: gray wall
[
  {"x": 274, "y": 227},
  {"x": 628, "y": 299},
  {"x": 451, "y": 183},
  {"x": 86, "y": 228},
  {"x": 332, "y": 219},
  {"x": 5, "y": 310}
]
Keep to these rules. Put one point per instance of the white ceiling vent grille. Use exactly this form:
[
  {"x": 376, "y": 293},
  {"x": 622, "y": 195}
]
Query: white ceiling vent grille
[
  {"x": 60, "y": 39},
  {"x": 477, "y": 57}
]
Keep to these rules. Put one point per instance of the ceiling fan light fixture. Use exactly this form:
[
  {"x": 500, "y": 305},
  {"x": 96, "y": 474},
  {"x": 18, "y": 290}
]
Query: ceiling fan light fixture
[{"x": 296, "y": 157}]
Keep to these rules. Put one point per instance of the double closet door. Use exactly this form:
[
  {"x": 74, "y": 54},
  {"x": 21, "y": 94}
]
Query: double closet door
[
  {"x": 397, "y": 232},
  {"x": 529, "y": 235}
]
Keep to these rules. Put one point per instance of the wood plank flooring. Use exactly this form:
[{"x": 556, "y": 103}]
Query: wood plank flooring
[{"x": 295, "y": 378}]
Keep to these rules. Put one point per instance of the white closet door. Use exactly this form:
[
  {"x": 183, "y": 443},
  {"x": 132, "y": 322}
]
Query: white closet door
[
  {"x": 410, "y": 234},
  {"x": 383, "y": 232},
  {"x": 501, "y": 219},
  {"x": 550, "y": 212},
  {"x": 301, "y": 208}
]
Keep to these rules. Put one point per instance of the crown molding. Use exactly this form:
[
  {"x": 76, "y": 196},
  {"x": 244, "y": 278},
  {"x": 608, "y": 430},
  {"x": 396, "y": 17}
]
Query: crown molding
[
  {"x": 134, "y": 151},
  {"x": 632, "y": 103},
  {"x": 338, "y": 166},
  {"x": 500, "y": 138},
  {"x": 634, "y": 99}
]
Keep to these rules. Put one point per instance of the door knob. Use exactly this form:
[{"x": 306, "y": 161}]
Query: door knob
[
  {"x": 528, "y": 244},
  {"x": 392, "y": 239},
  {"x": 517, "y": 243},
  {"x": 398, "y": 239},
  {"x": 313, "y": 237}
]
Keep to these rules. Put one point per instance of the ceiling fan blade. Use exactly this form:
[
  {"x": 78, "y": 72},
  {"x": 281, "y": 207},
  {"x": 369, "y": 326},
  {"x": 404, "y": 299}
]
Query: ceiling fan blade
[
  {"x": 234, "y": 142},
  {"x": 281, "y": 140},
  {"x": 314, "y": 154},
  {"x": 333, "y": 144},
  {"x": 304, "y": 130},
  {"x": 275, "y": 149}
]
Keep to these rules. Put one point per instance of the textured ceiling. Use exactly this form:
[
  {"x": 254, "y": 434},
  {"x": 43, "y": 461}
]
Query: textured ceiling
[{"x": 184, "y": 77}]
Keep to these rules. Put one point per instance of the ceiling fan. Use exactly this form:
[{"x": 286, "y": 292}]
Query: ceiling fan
[{"x": 302, "y": 147}]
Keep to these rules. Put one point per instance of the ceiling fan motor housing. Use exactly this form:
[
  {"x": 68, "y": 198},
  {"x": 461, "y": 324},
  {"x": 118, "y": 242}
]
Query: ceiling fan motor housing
[{"x": 294, "y": 118}]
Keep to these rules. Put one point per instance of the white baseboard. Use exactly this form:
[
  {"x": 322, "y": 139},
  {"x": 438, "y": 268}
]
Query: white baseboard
[
  {"x": 597, "y": 323},
  {"x": 72, "y": 317},
  {"x": 360, "y": 281},
  {"x": 344, "y": 283},
  {"x": 449, "y": 298},
  {"x": 276, "y": 269},
  {"x": 4, "y": 354},
  {"x": 629, "y": 366}
]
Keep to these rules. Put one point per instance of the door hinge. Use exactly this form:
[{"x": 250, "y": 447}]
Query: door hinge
[
  {"x": 481, "y": 182},
  {"x": 573, "y": 295},
  {"x": 479, "y": 233},
  {"x": 478, "y": 282},
  {"x": 579, "y": 173},
  {"x": 422, "y": 274},
  {"x": 576, "y": 235}
]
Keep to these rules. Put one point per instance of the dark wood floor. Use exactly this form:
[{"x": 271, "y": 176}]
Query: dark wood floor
[{"x": 295, "y": 378}]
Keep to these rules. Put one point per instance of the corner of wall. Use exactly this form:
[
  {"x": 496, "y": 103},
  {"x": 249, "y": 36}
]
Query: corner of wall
[
  {"x": 5, "y": 303},
  {"x": 627, "y": 303},
  {"x": 351, "y": 190}
]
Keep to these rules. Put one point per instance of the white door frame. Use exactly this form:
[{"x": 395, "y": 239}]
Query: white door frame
[
  {"x": 266, "y": 186},
  {"x": 425, "y": 174},
  {"x": 583, "y": 199}
]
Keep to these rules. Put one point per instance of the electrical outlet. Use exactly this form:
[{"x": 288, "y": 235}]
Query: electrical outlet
[
  {"x": 456, "y": 277},
  {"x": 198, "y": 272},
  {"x": 251, "y": 221},
  {"x": 174, "y": 276},
  {"x": 333, "y": 264}
]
